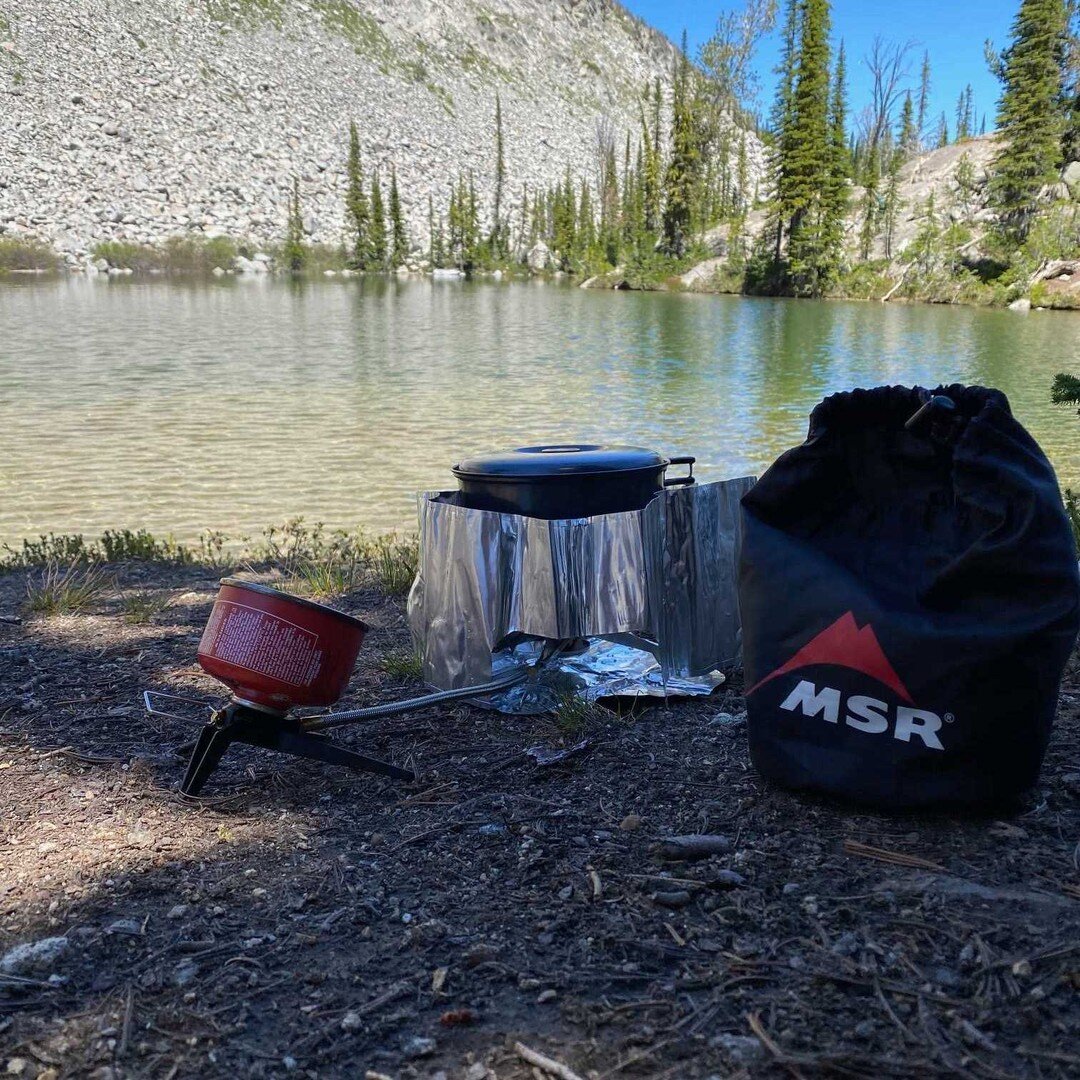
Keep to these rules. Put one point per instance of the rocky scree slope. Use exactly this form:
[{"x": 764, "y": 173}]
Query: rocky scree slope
[{"x": 140, "y": 121}]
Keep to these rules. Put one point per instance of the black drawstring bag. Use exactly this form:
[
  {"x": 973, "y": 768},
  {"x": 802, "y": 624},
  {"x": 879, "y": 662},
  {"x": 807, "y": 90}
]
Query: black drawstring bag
[{"x": 909, "y": 598}]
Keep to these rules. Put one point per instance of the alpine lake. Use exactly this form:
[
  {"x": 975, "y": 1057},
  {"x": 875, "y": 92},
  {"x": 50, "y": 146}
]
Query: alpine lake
[{"x": 232, "y": 404}]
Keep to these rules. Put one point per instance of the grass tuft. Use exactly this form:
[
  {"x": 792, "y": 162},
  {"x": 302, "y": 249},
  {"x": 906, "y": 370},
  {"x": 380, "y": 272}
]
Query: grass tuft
[
  {"x": 66, "y": 590},
  {"x": 333, "y": 575},
  {"x": 144, "y": 607},
  {"x": 575, "y": 714},
  {"x": 394, "y": 562},
  {"x": 403, "y": 664}
]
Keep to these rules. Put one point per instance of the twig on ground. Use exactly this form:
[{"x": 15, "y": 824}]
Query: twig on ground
[
  {"x": 548, "y": 1065},
  {"x": 896, "y": 858}
]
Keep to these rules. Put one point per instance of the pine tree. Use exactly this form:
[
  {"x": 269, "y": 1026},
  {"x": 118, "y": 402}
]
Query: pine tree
[
  {"x": 585, "y": 236},
  {"x": 942, "y": 132},
  {"x": 908, "y": 136},
  {"x": 836, "y": 189},
  {"x": 965, "y": 114},
  {"x": 650, "y": 180},
  {"x": 809, "y": 159},
  {"x": 782, "y": 120},
  {"x": 356, "y": 205},
  {"x": 294, "y": 252},
  {"x": 684, "y": 163},
  {"x": 924, "y": 96},
  {"x": 1032, "y": 112},
  {"x": 890, "y": 209},
  {"x": 870, "y": 204},
  {"x": 436, "y": 237},
  {"x": 608, "y": 238},
  {"x": 498, "y": 243},
  {"x": 564, "y": 221},
  {"x": 399, "y": 250},
  {"x": 377, "y": 243}
]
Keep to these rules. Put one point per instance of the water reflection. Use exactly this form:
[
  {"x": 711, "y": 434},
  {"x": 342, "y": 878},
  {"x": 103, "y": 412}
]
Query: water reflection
[{"x": 233, "y": 403}]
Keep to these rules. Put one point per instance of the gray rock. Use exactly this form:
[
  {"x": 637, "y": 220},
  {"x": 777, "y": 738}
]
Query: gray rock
[
  {"x": 671, "y": 898},
  {"x": 124, "y": 926},
  {"x": 34, "y": 957},
  {"x": 1070, "y": 176},
  {"x": 741, "y": 1049},
  {"x": 1023, "y": 304},
  {"x": 185, "y": 972},
  {"x": 418, "y": 1046},
  {"x": 539, "y": 258}
]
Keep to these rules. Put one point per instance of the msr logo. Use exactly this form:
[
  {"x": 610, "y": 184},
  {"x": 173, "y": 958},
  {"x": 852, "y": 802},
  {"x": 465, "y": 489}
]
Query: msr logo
[{"x": 844, "y": 644}]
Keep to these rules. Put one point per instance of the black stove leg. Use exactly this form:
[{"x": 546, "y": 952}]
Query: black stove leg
[
  {"x": 319, "y": 748},
  {"x": 210, "y": 747}
]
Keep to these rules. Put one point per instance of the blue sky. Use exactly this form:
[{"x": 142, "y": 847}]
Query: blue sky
[{"x": 953, "y": 32}]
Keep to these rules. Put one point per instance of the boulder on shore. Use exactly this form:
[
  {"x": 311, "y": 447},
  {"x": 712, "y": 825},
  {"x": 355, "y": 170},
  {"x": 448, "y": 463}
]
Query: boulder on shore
[{"x": 539, "y": 258}]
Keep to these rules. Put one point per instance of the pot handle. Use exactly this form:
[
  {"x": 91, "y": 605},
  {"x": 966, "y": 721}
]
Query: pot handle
[{"x": 675, "y": 481}]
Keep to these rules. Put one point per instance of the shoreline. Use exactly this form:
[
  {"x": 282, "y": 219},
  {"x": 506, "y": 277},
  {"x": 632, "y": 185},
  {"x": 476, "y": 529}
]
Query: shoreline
[{"x": 197, "y": 258}]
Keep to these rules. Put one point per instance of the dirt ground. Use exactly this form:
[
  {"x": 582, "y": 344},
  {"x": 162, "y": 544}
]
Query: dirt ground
[{"x": 301, "y": 920}]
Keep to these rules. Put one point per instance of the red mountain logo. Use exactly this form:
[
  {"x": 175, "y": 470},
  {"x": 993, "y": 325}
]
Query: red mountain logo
[{"x": 844, "y": 644}]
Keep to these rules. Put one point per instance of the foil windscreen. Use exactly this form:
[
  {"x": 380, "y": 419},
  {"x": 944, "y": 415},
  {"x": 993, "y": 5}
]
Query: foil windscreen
[{"x": 662, "y": 580}]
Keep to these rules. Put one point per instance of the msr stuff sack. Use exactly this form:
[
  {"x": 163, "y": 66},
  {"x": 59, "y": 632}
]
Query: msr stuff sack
[{"x": 909, "y": 598}]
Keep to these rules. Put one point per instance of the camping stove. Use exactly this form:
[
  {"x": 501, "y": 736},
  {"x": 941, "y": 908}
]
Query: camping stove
[
  {"x": 659, "y": 579},
  {"x": 275, "y": 652}
]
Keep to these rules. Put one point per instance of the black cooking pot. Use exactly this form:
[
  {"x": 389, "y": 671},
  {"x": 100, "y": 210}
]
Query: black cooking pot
[{"x": 566, "y": 481}]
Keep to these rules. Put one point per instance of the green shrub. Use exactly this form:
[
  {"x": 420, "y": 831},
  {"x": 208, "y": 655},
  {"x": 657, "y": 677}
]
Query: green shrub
[
  {"x": 178, "y": 255},
  {"x": 28, "y": 254}
]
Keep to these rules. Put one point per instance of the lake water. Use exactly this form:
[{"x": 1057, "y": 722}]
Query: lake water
[{"x": 234, "y": 404}]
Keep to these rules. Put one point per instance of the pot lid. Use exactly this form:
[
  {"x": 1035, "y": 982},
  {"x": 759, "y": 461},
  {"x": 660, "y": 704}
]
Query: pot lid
[{"x": 559, "y": 459}]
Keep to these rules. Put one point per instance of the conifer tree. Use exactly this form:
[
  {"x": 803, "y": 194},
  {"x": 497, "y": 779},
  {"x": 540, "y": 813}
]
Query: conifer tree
[
  {"x": 965, "y": 119},
  {"x": 890, "y": 209},
  {"x": 1032, "y": 112},
  {"x": 472, "y": 239},
  {"x": 498, "y": 244},
  {"x": 436, "y": 237},
  {"x": 924, "y": 96},
  {"x": 650, "y": 180},
  {"x": 294, "y": 252},
  {"x": 399, "y": 250},
  {"x": 377, "y": 246},
  {"x": 908, "y": 136},
  {"x": 836, "y": 189},
  {"x": 585, "y": 236},
  {"x": 782, "y": 120},
  {"x": 356, "y": 205},
  {"x": 684, "y": 163},
  {"x": 608, "y": 238},
  {"x": 809, "y": 157},
  {"x": 942, "y": 132}
]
